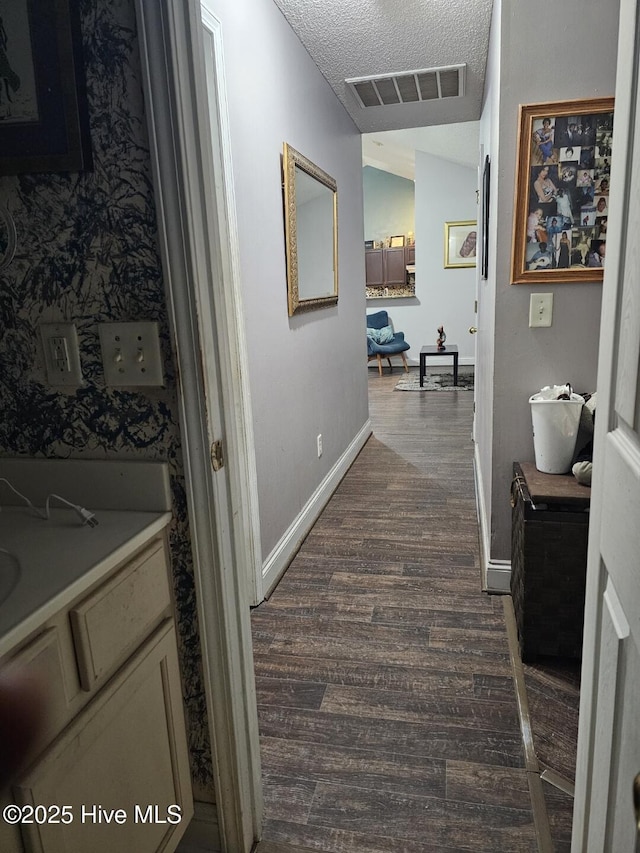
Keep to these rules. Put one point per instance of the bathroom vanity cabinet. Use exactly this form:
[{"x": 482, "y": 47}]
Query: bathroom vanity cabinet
[{"x": 114, "y": 752}]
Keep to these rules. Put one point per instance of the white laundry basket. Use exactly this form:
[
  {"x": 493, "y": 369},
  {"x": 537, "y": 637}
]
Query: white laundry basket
[{"x": 555, "y": 430}]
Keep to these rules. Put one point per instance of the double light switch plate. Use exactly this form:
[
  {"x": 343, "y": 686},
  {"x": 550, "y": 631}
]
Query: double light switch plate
[{"x": 131, "y": 353}]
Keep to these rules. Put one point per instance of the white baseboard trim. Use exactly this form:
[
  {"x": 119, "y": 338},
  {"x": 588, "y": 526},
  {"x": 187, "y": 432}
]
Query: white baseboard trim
[
  {"x": 203, "y": 833},
  {"x": 496, "y": 574},
  {"x": 278, "y": 560}
]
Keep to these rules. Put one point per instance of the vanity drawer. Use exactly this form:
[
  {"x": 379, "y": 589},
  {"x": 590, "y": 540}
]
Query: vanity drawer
[{"x": 110, "y": 623}]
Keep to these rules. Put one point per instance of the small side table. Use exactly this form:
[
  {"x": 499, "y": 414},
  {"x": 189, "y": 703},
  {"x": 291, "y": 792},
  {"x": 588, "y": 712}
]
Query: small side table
[{"x": 431, "y": 349}]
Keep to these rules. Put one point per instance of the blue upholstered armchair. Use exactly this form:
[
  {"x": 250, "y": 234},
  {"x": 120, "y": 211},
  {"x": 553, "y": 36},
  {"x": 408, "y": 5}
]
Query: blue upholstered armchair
[{"x": 383, "y": 342}]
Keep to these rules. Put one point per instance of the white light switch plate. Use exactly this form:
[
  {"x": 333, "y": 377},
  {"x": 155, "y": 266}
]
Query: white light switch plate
[
  {"x": 131, "y": 354},
  {"x": 540, "y": 310},
  {"x": 61, "y": 353}
]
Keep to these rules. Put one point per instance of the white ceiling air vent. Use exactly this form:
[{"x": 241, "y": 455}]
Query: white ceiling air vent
[{"x": 408, "y": 87}]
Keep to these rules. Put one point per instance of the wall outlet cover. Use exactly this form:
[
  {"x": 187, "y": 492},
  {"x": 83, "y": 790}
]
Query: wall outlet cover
[{"x": 61, "y": 354}]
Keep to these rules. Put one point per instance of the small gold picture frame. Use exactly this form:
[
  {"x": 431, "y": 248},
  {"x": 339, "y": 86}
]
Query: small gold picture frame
[
  {"x": 460, "y": 239},
  {"x": 397, "y": 242}
]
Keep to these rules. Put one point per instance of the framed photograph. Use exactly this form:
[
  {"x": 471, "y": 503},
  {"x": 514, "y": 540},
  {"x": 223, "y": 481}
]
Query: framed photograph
[
  {"x": 562, "y": 191},
  {"x": 460, "y": 244},
  {"x": 484, "y": 247},
  {"x": 397, "y": 242},
  {"x": 369, "y": 244},
  {"x": 43, "y": 111}
]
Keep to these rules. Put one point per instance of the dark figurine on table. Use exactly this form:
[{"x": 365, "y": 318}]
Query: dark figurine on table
[{"x": 441, "y": 338}]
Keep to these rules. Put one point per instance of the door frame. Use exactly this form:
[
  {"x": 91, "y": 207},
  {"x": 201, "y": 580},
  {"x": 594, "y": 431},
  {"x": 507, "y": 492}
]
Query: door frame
[
  {"x": 588, "y": 770},
  {"x": 199, "y": 256},
  {"x": 229, "y": 295}
]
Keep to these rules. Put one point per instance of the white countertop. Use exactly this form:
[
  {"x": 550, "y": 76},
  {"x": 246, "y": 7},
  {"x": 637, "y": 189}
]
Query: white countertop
[{"x": 61, "y": 558}]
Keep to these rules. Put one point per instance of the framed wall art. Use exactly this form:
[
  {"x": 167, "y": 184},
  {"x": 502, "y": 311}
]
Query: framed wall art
[
  {"x": 43, "y": 111},
  {"x": 460, "y": 244},
  {"x": 562, "y": 191},
  {"x": 484, "y": 247}
]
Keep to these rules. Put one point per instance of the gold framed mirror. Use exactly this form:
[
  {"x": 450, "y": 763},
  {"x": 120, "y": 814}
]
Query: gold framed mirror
[{"x": 311, "y": 233}]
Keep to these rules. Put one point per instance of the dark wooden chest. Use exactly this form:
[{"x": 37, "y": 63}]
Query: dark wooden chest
[{"x": 549, "y": 532}]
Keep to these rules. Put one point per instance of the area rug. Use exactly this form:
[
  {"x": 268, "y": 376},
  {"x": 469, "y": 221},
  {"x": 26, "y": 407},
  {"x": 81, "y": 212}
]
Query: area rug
[{"x": 436, "y": 382}]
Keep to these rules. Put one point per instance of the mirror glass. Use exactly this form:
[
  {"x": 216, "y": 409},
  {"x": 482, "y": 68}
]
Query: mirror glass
[{"x": 311, "y": 232}]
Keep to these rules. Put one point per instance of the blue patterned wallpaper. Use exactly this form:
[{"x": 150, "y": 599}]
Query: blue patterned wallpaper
[{"x": 87, "y": 252}]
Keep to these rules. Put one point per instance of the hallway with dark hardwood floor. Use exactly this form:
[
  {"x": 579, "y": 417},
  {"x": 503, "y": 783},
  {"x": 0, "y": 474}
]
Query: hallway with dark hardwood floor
[{"x": 387, "y": 708}]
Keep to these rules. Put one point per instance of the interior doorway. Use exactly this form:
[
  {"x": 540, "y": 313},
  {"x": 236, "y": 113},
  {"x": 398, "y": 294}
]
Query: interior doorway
[{"x": 197, "y": 252}]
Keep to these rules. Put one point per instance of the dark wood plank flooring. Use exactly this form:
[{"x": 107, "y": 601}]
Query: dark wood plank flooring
[
  {"x": 387, "y": 708},
  {"x": 553, "y": 694}
]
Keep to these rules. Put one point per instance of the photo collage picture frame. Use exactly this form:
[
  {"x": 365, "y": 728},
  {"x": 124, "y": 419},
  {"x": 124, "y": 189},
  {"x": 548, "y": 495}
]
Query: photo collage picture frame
[{"x": 562, "y": 191}]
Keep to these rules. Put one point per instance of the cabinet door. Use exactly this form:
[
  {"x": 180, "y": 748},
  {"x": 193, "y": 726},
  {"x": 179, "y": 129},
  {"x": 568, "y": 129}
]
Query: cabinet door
[
  {"x": 410, "y": 255},
  {"x": 121, "y": 765},
  {"x": 374, "y": 268},
  {"x": 9, "y": 834},
  {"x": 396, "y": 272}
]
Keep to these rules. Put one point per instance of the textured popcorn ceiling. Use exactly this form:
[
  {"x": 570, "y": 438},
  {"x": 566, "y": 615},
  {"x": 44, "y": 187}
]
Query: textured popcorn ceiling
[{"x": 358, "y": 38}]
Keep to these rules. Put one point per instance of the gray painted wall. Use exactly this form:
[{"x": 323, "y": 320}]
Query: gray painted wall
[
  {"x": 444, "y": 192},
  {"x": 308, "y": 372},
  {"x": 577, "y": 60},
  {"x": 485, "y": 339}
]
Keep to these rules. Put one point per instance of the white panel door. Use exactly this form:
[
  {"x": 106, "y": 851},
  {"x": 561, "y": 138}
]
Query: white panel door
[{"x": 609, "y": 736}]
